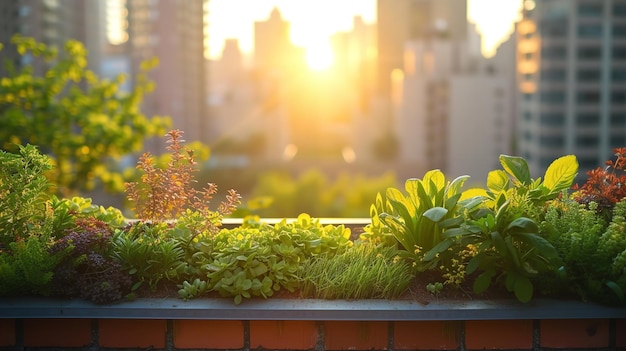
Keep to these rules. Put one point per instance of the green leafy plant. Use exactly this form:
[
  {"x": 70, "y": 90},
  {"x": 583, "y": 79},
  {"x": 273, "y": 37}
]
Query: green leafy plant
[
  {"x": 258, "y": 259},
  {"x": 80, "y": 121},
  {"x": 24, "y": 199},
  {"x": 362, "y": 272},
  {"x": 27, "y": 267},
  {"x": 312, "y": 192},
  {"x": 529, "y": 197},
  {"x": 417, "y": 218},
  {"x": 148, "y": 253},
  {"x": 504, "y": 232}
]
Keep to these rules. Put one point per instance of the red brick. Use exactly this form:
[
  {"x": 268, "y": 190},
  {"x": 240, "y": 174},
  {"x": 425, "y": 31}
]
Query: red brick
[
  {"x": 295, "y": 335},
  {"x": 7, "y": 332},
  {"x": 620, "y": 333},
  {"x": 341, "y": 335},
  {"x": 132, "y": 333},
  {"x": 578, "y": 333},
  {"x": 427, "y": 335},
  {"x": 57, "y": 332},
  {"x": 201, "y": 334},
  {"x": 507, "y": 334}
]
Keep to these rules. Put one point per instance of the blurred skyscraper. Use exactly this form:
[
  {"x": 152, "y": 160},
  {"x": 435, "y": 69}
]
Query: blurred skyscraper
[
  {"x": 121, "y": 34},
  {"x": 173, "y": 32},
  {"x": 49, "y": 21},
  {"x": 401, "y": 20},
  {"x": 449, "y": 107},
  {"x": 572, "y": 81}
]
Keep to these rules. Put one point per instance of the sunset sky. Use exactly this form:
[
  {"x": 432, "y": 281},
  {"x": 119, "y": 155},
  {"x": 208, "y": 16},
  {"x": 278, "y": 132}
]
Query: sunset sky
[{"x": 312, "y": 24}]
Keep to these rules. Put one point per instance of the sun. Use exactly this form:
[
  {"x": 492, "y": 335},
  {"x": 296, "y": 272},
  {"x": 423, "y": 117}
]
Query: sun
[{"x": 319, "y": 56}]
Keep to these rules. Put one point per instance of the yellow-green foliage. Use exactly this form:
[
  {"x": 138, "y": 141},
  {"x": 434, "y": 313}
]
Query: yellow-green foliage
[
  {"x": 78, "y": 119},
  {"x": 314, "y": 193}
]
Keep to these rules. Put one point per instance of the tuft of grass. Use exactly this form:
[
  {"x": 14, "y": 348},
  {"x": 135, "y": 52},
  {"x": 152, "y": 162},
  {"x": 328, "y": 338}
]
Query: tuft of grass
[{"x": 362, "y": 272}]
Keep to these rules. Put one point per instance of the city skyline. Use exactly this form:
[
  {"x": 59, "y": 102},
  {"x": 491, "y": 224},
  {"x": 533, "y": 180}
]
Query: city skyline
[{"x": 226, "y": 20}]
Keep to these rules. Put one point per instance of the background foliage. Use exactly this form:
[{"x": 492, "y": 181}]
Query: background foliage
[{"x": 81, "y": 121}]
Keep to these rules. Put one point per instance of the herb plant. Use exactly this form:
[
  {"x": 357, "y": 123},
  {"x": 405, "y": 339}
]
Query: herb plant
[
  {"x": 258, "y": 259},
  {"x": 362, "y": 272},
  {"x": 504, "y": 235},
  {"x": 24, "y": 206},
  {"x": 417, "y": 218}
]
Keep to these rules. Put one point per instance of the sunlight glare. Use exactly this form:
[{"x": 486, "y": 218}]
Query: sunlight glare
[{"x": 319, "y": 56}]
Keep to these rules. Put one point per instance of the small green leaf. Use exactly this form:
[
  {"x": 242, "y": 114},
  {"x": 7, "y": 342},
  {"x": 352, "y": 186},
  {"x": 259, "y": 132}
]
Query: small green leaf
[
  {"x": 499, "y": 244},
  {"x": 523, "y": 225},
  {"x": 439, "y": 248},
  {"x": 435, "y": 214},
  {"x": 517, "y": 168},
  {"x": 483, "y": 281},
  {"x": 451, "y": 222},
  {"x": 523, "y": 288},
  {"x": 561, "y": 173},
  {"x": 497, "y": 181},
  {"x": 474, "y": 263},
  {"x": 455, "y": 187}
]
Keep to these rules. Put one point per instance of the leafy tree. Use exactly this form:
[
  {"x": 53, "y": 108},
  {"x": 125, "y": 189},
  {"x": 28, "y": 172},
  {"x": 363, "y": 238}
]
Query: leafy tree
[{"x": 79, "y": 120}]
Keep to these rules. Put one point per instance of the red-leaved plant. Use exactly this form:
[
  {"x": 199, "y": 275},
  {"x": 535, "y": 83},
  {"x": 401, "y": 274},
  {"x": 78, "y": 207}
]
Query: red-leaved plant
[
  {"x": 605, "y": 186},
  {"x": 163, "y": 194}
]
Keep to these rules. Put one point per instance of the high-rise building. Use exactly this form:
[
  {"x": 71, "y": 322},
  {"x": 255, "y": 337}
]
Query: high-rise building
[
  {"x": 173, "y": 32},
  {"x": 51, "y": 22},
  {"x": 572, "y": 81},
  {"x": 401, "y": 20}
]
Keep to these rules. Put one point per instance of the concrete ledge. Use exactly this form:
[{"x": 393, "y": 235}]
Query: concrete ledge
[{"x": 307, "y": 309}]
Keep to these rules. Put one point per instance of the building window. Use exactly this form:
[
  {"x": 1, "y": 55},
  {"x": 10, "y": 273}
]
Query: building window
[
  {"x": 552, "y": 119},
  {"x": 590, "y": 31},
  {"x": 590, "y": 10},
  {"x": 588, "y": 75},
  {"x": 588, "y": 97},
  {"x": 618, "y": 75},
  {"x": 554, "y": 28},
  {"x": 618, "y": 140},
  {"x": 553, "y": 97},
  {"x": 587, "y": 119},
  {"x": 553, "y": 75},
  {"x": 619, "y": 53},
  {"x": 587, "y": 141},
  {"x": 551, "y": 141},
  {"x": 618, "y": 97},
  {"x": 587, "y": 162},
  {"x": 589, "y": 53},
  {"x": 554, "y": 52},
  {"x": 619, "y": 31},
  {"x": 619, "y": 10},
  {"x": 618, "y": 120}
]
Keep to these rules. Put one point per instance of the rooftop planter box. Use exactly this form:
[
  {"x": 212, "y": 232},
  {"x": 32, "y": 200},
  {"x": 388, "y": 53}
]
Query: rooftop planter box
[
  {"x": 305, "y": 324},
  {"x": 519, "y": 234}
]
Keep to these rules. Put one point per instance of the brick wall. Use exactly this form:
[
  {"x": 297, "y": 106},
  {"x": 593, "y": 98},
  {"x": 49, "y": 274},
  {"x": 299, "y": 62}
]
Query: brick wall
[{"x": 180, "y": 334}]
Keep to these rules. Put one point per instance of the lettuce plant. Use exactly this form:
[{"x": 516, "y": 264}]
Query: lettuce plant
[{"x": 258, "y": 259}]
